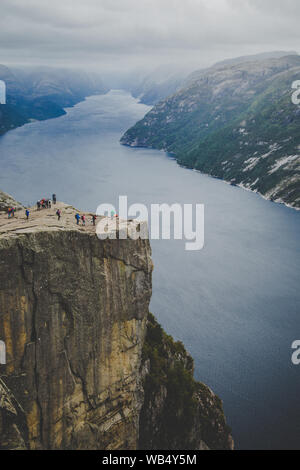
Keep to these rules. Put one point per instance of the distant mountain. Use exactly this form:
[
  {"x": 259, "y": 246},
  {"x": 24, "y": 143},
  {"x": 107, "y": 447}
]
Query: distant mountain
[
  {"x": 10, "y": 116},
  {"x": 43, "y": 93},
  {"x": 155, "y": 86},
  {"x": 149, "y": 86},
  {"x": 236, "y": 122}
]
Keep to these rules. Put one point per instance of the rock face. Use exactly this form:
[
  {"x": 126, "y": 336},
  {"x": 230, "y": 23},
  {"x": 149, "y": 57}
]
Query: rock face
[
  {"x": 78, "y": 373},
  {"x": 177, "y": 412},
  {"x": 7, "y": 201},
  {"x": 73, "y": 316},
  {"x": 12, "y": 420}
]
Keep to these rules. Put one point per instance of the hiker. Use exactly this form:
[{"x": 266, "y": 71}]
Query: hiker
[
  {"x": 27, "y": 214},
  {"x": 94, "y": 220},
  {"x": 49, "y": 203},
  {"x": 77, "y": 217},
  {"x": 54, "y": 198},
  {"x": 38, "y": 204},
  {"x": 58, "y": 213},
  {"x": 13, "y": 211},
  {"x": 83, "y": 220},
  {"x": 9, "y": 212}
]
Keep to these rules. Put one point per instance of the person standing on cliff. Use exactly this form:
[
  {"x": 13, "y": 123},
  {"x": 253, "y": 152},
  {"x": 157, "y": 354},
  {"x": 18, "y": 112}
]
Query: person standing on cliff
[
  {"x": 83, "y": 220},
  {"x": 27, "y": 214},
  {"x": 77, "y": 217},
  {"x": 94, "y": 219},
  {"x": 58, "y": 213},
  {"x": 54, "y": 198}
]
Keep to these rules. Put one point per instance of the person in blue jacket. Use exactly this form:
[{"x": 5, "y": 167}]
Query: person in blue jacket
[
  {"x": 27, "y": 214},
  {"x": 77, "y": 217}
]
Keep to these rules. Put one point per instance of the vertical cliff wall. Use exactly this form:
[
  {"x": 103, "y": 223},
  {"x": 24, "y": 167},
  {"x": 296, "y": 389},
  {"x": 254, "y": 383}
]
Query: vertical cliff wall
[
  {"x": 73, "y": 316},
  {"x": 87, "y": 366}
]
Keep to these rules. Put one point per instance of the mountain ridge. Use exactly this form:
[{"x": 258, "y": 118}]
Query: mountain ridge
[
  {"x": 43, "y": 93},
  {"x": 235, "y": 122}
]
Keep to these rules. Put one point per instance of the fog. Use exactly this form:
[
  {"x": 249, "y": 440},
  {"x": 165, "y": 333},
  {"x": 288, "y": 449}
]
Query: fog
[{"x": 130, "y": 35}]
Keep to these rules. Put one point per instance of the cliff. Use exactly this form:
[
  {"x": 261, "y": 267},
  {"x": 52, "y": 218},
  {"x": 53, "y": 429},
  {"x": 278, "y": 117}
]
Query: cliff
[
  {"x": 74, "y": 317},
  {"x": 177, "y": 412}
]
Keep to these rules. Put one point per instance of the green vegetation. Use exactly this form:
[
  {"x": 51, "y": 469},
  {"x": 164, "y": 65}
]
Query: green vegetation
[
  {"x": 228, "y": 115},
  {"x": 42, "y": 94},
  {"x": 171, "y": 367},
  {"x": 10, "y": 118},
  {"x": 178, "y": 412}
]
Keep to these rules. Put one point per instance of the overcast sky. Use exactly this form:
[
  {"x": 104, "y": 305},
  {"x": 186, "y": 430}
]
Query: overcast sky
[{"x": 123, "y": 34}]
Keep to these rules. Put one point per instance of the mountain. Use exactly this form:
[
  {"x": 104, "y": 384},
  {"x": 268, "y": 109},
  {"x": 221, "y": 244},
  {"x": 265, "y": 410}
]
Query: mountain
[
  {"x": 165, "y": 80},
  {"x": 10, "y": 115},
  {"x": 157, "y": 85},
  {"x": 236, "y": 122},
  {"x": 87, "y": 365},
  {"x": 149, "y": 86},
  {"x": 263, "y": 56},
  {"x": 43, "y": 93}
]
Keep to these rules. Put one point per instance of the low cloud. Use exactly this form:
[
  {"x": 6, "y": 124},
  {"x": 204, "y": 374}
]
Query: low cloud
[{"x": 102, "y": 34}]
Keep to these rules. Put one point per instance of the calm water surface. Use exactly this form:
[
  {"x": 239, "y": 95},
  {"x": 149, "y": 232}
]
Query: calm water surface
[{"x": 235, "y": 304}]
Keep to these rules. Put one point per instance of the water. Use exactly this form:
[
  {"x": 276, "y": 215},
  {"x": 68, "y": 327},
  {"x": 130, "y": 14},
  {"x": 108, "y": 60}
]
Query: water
[{"x": 235, "y": 304}]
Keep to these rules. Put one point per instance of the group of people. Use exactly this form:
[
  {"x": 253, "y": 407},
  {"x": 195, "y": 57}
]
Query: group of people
[
  {"x": 11, "y": 212},
  {"x": 46, "y": 203},
  {"x": 82, "y": 218}
]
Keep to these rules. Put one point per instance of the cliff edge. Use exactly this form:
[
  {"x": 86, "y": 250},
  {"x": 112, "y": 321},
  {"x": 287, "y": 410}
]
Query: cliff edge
[{"x": 74, "y": 315}]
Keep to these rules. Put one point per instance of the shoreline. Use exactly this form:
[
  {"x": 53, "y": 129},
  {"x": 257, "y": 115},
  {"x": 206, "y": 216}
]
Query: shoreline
[
  {"x": 63, "y": 113},
  {"x": 172, "y": 156}
]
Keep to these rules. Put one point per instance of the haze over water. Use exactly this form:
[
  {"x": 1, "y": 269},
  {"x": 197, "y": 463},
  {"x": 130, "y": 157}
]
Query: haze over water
[{"x": 235, "y": 304}]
